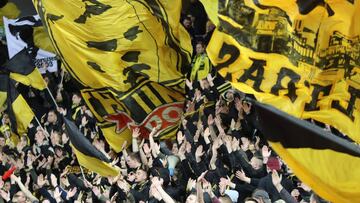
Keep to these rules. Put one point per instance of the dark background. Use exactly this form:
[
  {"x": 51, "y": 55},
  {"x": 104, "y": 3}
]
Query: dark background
[{"x": 25, "y": 6}]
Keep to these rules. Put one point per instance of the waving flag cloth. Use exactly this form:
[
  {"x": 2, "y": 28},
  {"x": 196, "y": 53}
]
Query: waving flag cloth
[
  {"x": 21, "y": 68},
  {"x": 87, "y": 155},
  {"x": 303, "y": 58},
  {"x": 28, "y": 32},
  {"x": 129, "y": 56},
  {"x": 19, "y": 112}
]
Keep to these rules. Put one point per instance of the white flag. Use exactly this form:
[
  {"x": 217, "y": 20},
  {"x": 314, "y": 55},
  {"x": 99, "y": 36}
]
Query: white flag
[{"x": 19, "y": 35}]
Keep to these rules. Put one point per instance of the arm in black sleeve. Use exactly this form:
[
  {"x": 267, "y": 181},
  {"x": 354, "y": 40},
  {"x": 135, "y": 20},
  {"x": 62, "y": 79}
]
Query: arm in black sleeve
[{"x": 285, "y": 195}]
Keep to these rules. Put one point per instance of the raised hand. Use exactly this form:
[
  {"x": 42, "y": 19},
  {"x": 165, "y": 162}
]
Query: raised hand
[
  {"x": 53, "y": 179},
  {"x": 246, "y": 107},
  {"x": 241, "y": 175},
  {"x": 275, "y": 178},
  {"x": 199, "y": 153},
  {"x": 265, "y": 151},
  {"x": 180, "y": 137},
  {"x": 71, "y": 193},
  {"x": 210, "y": 120},
  {"x": 57, "y": 193},
  {"x": 136, "y": 133}
]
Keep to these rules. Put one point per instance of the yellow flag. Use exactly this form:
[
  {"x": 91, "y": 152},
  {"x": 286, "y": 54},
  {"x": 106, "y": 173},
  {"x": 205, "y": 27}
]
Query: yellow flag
[
  {"x": 9, "y": 10},
  {"x": 130, "y": 57},
  {"x": 87, "y": 155},
  {"x": 300, "y": 57},
  {"x": 33, "y": 79},
  {"x": 303, "y": 58}
]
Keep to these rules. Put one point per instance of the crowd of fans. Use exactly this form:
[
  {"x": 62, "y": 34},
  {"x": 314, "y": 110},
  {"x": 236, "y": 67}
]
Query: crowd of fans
[{"x": 218, "y": 154}]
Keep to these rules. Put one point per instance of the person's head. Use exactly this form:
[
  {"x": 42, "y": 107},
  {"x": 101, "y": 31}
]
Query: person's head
[
  {"x": 187, "y": 22},
  {"x": 55, "y": 138},
  {"x": 39, "y": 136},
  {"x": 225, "y": 199},
  {"x": 52, "y": 117},
  {"x": 200, "y": 47},
  {"x": 2, "y": 140},
  {"x": 251, "y": 200},
  {"x": 76, "y": 99},
  {"x": 205, "y": 83},
  {"x": 256, "y": 162},
  {"x": 19, "y": 197},
  {"x": 209, "y": 26},
  {"x": 191, "y": 198},
  {"x": 261, "y": 196},
  {"x": 7, "y": 185},
  {"x": 133, "y": 160},
  {"x": 140, "y": 175},
  {"x": 230, "y": 95},
  {"x": 6, "y": 119},
  {"x": 273, "y": 163},
  {"x": 59, "y": 151}
]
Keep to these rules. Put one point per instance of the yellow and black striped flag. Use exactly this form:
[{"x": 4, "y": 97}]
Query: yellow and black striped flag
[
  {"x": 327, "y": 163},
  {"x": 19, "y": 112},
  {"x": 131, "y": 57},
  {"x": 22, "y": 69},
  {"x": 302, "y": 57},
  {"x": 87, "y": 155}
]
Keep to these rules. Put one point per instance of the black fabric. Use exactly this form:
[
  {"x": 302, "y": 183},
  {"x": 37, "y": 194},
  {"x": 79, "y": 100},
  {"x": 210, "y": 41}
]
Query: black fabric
[{"x": 80, "y": 142}]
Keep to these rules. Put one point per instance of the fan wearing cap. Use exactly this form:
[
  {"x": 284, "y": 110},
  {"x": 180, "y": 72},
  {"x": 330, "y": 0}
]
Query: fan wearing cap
[{"x": 265, "y": 183}]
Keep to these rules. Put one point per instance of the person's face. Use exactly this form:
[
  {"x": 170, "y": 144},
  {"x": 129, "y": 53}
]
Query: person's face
[
  {"x": 39, "y": 137},
  {"x": 199, "y": 49},
  {"x": 55, "y": 138},
  {"x": 230, "y": 96},
  {"x": 2, "y": 141},
  {"x": 7, "y": 186},
  {"x": 187, "y": 23},
  {"x": 252, "y": 147},
  {"x": 52, "y": 118},
  {"x": 140, "y": 176},
  {"x": 175, "y": 149},
  {"x": 76, "y": 99},
  {"x": 255, "y": 163},
  {"x": 6, "y": 119},
  {"x": 19, "y": 197},
  {"x": 191, "y": 199},
  {"x": 58, "y": 152},
  {"x": 132, "y": 163}
]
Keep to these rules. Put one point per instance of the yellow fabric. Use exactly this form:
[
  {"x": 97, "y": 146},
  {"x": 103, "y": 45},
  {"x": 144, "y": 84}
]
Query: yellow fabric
[
  {"x": 318, "y": 48},
  {"x": 23, "y": 114},
  {"x": 334, "y": 176},
  {"x": 132, "y": 52},
  {"x": 304, "y": 61},
  {"x": 42, "y": 40},
  {"x": 3, "y": 96},
  {"x": 34, "y": 79},
  {"x": 96, "y": 165},
  {"x": 105, "y": 102},
  {"x": 201, "y": 67},
  {"x": 116, "y": 25},
  {"x": 10, "y": 10}
]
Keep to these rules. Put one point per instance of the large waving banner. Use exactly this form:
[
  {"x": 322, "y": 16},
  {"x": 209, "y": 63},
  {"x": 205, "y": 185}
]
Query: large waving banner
[
  {"x": 129, "y": 55},
  {"x": 301, "y": 56}
]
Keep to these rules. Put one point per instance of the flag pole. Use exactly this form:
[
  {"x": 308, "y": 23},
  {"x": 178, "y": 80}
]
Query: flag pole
[
  {"x": 52, "y": 97},
  {"x": 42, "y": 128},
  {"x": 82, "y": 172}
]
